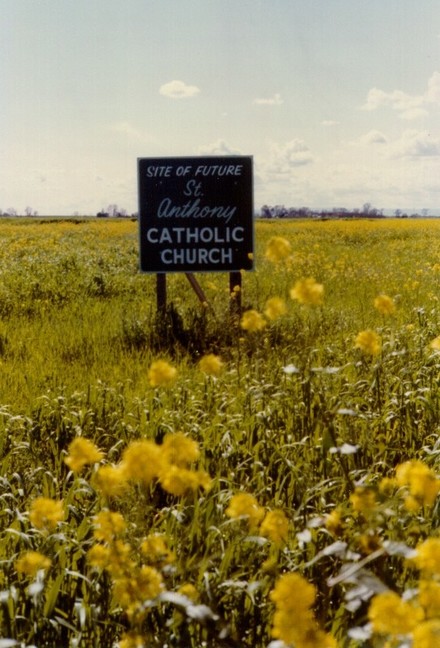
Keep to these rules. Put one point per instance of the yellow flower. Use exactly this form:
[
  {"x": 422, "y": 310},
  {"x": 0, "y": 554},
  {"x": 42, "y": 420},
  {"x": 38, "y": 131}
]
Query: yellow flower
[
  {"x": 275, "y": 526},
  {"x": 429, "y": 597},
  {"x": 46, "y": 513},
  {"x": 387, "y": 486},
  {"x": 99, "y": 556},
  {"x": 131, "y": 640},
  {"x": 427, "y": 634},
  {"x": 278, "y": 249},
  {"x": 161, "y": 374},
  {"x": 111, "y": 480},
  {"x": 308, "y": 291},
  {"x": 179, "y": 481},
  {"x": 108, "y": 525},
  {"x": 245, "y": 505},
  {"x": 385, "y": 305},
  {"x": 369, "y": 542},
  {"x": 293, "y": 592},
  {"x": 368, "y": 342},
  {"x": 390, "y": 615},
  {"x": 211, "y": 364},
  {"x": 275, "y": 308},
  {"x": 293, "y": 621},
  {"x": 435, "y": 344},
  {"x": 363, "y": 499},
  {"x": 142, "y": 461},
  {"x": 252, "y": 321},
  {"x": 120, "y": 562},
  {"x": 333, "y": 522},
  {"x": 188, "y": 590},
  {"x": 155, "y": 549},
  {"x": 427, "y": 556},
  {"x": 132, "y": 592},
  {"x": 31, "y": 562},
  {"x": 179, "y": 450},
  {"x": 422, "y": 483},
  {"x": 82, "y": 452}
]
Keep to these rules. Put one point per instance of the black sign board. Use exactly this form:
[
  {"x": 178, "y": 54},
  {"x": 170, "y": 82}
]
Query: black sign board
[{"x": 196, "y": 214}]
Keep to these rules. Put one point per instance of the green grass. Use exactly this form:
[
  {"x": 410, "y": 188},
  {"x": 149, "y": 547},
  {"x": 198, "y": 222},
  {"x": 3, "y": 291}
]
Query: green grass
[{"x": 78, "y": 333}]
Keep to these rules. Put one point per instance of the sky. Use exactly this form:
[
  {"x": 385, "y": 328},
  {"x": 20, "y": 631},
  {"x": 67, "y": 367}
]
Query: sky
[{"x": 338, "y": 101}]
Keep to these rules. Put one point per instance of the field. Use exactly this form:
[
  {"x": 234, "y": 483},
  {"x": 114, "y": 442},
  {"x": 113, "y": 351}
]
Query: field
[{"x": 199, "y": 478}]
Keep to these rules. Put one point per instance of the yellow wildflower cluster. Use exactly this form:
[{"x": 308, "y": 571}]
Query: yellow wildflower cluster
[
  {"x": 363, "y": 500},
  {"x": 161, "y": 374},
  {"x": 236, "y": 290},
  {"x": 245, "y": 505},
  {"x": 427, "y": 634},
  {"x": 414, "y": 617},
  {"x": 133, "y": 589},
  {"x": 417, "y": 619},
  {"x": 31, "y": 562},
  {"x": 252, "y": 321},
  {"x": 435, "y": 344},
  {"x": 421, "y": 482},
  {"x": 294, "y": 621},
  {"x": 131, "y": 640},
  {"x": 156, "y": 550},
  {"x": 179, "y": 450},
  {"x": 133, "y": 584},
  {"x": 416, "y": 483},
  {"x": 45, "y": 513},
  {"x": 211, "y": 364},
  {"x": 273, "y": 525},
  {"x": 368, "y": 342},
  {"x": 390, "y": 615},
  {"x": 385, "y": 305},
  {"x": 333, "y": 522},
  {"x": 278, "y": 249},
  {"x": 188, "y": 590},
  {"x": 141, "y": 461},
  {"x": 82, "y": 452},
  {"x": 111, "y": 480},
  {"x": 427, "y": 557},
  {"x": 275, "y": 308},
  {"x": 308, "y": 292},
  {"x": 144, "y": 462},
  {"x": 429, "y": 598},
  {"x": 108, "y": 525}
]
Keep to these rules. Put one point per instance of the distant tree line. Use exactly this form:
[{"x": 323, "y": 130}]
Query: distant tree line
[
  {"x": 114, "y": 211},
  {"x": 366, "y": 211},
  {"x": 267, "y": 211},
  {"x": 11, "y": 211}
]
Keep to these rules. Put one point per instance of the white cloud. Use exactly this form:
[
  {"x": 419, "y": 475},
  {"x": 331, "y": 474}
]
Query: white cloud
[
  {"x": 220, "y": 147},
  {"x": 127, "y": 129},
  {"x": 373, "y": 137},
  {"x": 413, "y": 113},
  {"x": 329, "y": 122},
  {"x": 433, "y": 92},
  {"x": 408, "y": 106},
  {"x": 178, "y": 90},
  {"x": 276, "y": 100},
  {"x": 416, "y": 144},
  {"x": 283, "y": 158},
  {"x": 397, "y": 99},
  {"x": 412, "y": 144}
]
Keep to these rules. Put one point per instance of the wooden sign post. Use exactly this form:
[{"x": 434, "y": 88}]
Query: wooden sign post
[{"x": 195, "y": 215}]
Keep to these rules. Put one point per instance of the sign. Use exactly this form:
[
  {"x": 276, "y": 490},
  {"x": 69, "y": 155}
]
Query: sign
[{"x": 195, "y": 214}]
